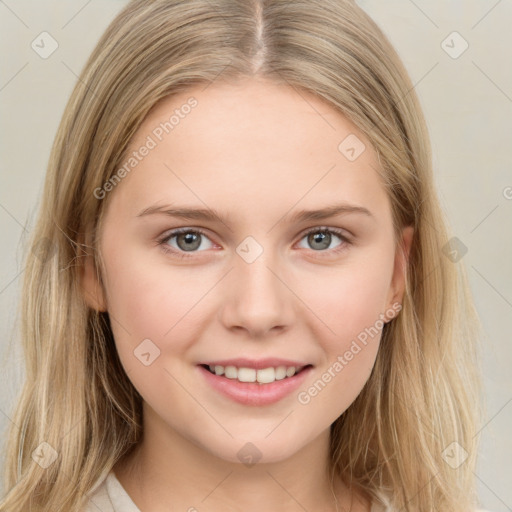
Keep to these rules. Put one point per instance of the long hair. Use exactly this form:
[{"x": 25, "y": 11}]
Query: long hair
[{"x": 410, "y": 437}]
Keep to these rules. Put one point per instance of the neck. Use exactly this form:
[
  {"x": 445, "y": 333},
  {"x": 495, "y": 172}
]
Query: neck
[{"x": 166, "y": 468}]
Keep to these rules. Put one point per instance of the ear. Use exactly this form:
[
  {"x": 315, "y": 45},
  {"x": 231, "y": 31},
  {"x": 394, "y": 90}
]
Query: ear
[
  {"x": 92, "y": 289},
  {"x": 397, "y": 288}
]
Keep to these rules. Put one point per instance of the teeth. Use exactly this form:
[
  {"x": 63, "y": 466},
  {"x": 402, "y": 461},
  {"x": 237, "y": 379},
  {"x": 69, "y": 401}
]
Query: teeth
[
  {"x": 266, "y": 375},
  {"x": 230, "y": 372},
  {"x": 246, "y": 374},
  {"x": 280, "y": 372},
  {"x": 290, "y": 372},
  {"x": 263, "y": 376}
]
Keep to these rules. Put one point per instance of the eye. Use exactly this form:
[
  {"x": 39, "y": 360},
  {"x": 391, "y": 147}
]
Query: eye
[
  {"x": 320, "y": 238},
  {"x": 186, "y": 240},
  {"x": 181, "y": 241}
]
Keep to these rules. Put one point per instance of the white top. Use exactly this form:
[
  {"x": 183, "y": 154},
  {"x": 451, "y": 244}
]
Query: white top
[{"x": 108, "y": 495}]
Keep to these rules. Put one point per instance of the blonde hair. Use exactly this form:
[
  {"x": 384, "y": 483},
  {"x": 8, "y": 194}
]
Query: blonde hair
[{"x": 424, "y": 392}]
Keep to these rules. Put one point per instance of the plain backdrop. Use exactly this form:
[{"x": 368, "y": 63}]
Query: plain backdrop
[{"x": 466, "y": 94}]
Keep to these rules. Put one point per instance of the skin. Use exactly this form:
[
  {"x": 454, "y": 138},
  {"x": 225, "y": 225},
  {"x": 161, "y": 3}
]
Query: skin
[{"x": 256, "y": 152}]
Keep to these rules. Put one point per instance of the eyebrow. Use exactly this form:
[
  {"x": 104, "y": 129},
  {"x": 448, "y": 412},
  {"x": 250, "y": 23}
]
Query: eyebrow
[{"x": 210, "y": 214}]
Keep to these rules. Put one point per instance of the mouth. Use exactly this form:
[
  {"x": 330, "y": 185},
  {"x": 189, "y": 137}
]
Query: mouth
[
  {"x": 260, "y": 376},
  {"x": 254, "y": 387}
]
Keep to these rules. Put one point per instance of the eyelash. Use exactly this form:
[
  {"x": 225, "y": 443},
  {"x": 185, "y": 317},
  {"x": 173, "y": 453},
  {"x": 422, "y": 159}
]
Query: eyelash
[{"x": 162, "y": 242}]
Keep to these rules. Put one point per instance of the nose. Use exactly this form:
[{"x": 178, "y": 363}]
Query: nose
[{"x": 257, "y": 298}]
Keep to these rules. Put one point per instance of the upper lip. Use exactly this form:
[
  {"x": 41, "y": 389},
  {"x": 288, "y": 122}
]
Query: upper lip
[{"x": 257, "y": 364}]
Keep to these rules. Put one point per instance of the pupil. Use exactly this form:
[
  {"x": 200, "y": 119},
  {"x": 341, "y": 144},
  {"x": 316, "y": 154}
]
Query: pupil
[
  {"x": 190, "y": 239},
  {"x": 320, "y": 237}
]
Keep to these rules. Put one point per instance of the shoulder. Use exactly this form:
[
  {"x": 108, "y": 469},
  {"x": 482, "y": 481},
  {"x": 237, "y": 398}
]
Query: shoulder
[
  {"x": 99, "y": 498},
  {"x": 108, "y": 495},
  {"x": 377, "y": 507}
]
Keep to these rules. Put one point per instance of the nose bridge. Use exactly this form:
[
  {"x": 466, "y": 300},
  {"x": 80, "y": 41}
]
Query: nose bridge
[
  {"x": 259, "y": 300},
  {"x": 255, "y": 273},
  {"x": 258, "y": 277}
]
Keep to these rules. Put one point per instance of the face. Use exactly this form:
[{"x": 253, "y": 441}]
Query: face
[{"x": 260, "y": 287}]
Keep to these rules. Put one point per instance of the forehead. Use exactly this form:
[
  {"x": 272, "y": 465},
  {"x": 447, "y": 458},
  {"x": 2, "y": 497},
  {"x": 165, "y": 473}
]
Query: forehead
[
  {"x": 253, "y": 115},
  {"x": 253, "y": 143}
]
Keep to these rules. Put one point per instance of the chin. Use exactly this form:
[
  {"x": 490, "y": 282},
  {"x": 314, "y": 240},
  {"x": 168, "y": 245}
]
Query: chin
[{"x": 256, "y": 451}]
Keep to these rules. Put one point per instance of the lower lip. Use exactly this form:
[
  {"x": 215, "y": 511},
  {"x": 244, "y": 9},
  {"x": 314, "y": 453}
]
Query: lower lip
[{"x": 253, "y": 393}]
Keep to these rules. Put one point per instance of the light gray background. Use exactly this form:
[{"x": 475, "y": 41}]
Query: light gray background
[{"x": 468, "y": 106}]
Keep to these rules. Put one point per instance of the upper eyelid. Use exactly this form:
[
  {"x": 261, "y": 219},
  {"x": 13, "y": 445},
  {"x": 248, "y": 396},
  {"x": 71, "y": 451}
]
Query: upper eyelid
[
  {"x": 340, "y": 232},
  {"x": 336, "y": 231}
]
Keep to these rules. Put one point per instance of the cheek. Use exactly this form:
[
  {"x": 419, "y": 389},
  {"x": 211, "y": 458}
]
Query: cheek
[
  {"x": 148, "y": 300},
  {"x": 349, "y": 299},
  {"x": 350, "y": 303},
  {"x": 349, "y": 334},
  {"x": 154, "y": 303}
]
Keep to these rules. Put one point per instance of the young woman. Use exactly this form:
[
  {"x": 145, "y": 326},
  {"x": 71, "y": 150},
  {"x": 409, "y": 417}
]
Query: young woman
[{"x": 240, "y": 298}]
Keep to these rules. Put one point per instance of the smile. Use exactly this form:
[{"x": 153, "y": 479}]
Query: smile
[
  {"x": 251, "y": 386},
  {"x": 262, "y": 376}
]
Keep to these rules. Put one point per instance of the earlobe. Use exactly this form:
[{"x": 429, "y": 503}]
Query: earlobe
[
  {"x": 91, "y": 287},
  {"x": 400, "y": 268}
]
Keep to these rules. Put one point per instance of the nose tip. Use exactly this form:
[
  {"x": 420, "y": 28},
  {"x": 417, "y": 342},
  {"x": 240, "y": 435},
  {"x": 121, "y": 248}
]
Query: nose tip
[{"x": 258, "y": 301}]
